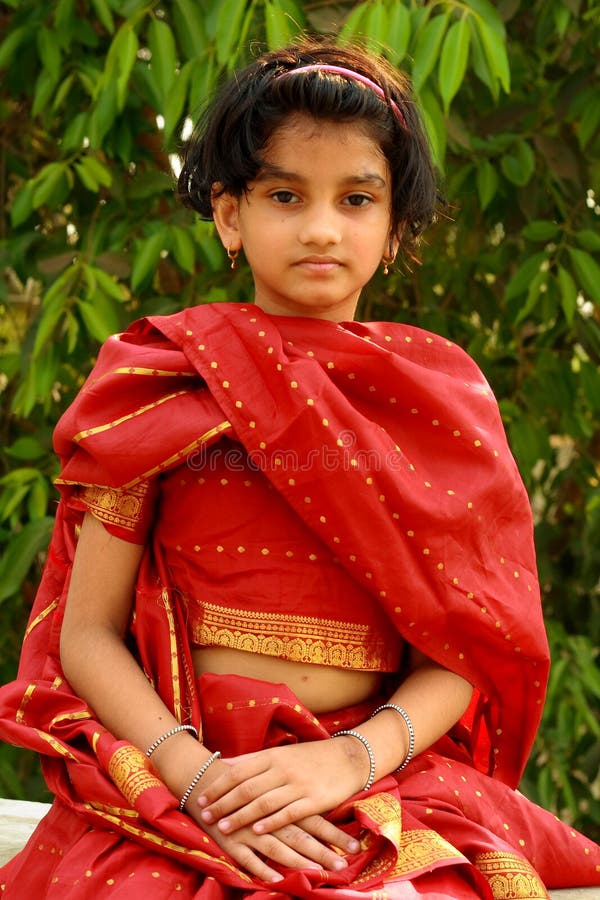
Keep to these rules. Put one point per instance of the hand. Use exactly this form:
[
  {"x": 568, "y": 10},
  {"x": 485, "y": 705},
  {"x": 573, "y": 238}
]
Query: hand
[
  {"x": 274, "y": 788},
  {"x": 300, "y": 846}
]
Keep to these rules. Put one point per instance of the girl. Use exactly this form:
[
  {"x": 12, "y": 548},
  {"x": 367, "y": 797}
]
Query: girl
[{"x": 289, "y": 636}]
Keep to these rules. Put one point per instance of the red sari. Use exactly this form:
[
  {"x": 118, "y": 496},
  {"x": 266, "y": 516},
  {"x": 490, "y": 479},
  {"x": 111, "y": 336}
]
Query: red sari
[{"x": 416, "y": 494}]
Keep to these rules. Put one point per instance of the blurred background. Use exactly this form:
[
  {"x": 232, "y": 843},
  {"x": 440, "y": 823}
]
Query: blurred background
[{"x": 96, "y": 99}]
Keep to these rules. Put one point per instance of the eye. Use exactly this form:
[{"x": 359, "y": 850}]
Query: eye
[
  {"x": 358, "y": 200},
  {"x": 284, "y": 197}
]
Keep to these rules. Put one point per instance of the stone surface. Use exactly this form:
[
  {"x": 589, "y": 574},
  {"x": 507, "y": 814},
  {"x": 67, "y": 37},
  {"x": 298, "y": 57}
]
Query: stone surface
[{"x": 18, "y": 819}]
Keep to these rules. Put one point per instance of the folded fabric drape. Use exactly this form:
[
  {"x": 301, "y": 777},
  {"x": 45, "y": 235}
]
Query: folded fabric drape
[{"x": 403, "y": 478}]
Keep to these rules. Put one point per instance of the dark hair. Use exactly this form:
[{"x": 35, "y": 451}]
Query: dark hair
[{"x": 225, "y": 148}]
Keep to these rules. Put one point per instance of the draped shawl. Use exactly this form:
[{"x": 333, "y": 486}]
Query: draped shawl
[{"x": 403, "y": 471}]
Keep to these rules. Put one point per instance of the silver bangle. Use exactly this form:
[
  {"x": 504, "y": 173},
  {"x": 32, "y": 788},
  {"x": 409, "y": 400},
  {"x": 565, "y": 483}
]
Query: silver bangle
[
  {"x": 409, "y": 725},
  {"x": 186, "y": 795},
  {"x": 169, "y": 734},
  {"x": 368, "y": 748}
]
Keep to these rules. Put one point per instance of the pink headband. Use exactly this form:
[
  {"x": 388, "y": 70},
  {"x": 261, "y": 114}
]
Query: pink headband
[{"x": 356, "y": 76}]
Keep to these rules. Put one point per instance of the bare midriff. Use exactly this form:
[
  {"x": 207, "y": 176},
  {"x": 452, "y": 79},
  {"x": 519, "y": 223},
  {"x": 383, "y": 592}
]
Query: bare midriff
[{"x": 321, "y": 689}]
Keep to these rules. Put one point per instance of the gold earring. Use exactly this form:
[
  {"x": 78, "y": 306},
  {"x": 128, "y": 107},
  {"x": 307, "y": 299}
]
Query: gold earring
[
  {"x": 232, "y": 255},
  {"x": 387, "y": 262}
]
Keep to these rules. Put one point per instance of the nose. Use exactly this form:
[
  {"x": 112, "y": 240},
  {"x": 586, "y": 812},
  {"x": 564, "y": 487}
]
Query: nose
[{"x": 321, "y": 226}]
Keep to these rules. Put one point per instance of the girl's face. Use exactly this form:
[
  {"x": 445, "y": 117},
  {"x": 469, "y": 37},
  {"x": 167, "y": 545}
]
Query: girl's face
[{"x": 315, "y": 223}]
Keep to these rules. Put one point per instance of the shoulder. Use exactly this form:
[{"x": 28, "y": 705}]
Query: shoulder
[{"x": 424, "y": 348}]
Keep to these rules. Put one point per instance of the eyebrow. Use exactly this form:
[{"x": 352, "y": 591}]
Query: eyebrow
[{"x": 269, "y": 172}]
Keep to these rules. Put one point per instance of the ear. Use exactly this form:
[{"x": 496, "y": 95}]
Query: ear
[
  {"x": 395, "y": 240},
  {"x": 226, "y": 218}
]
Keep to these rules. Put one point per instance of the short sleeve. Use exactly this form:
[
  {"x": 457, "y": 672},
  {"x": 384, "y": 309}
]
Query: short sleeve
[{"x": 126, "y": 513}]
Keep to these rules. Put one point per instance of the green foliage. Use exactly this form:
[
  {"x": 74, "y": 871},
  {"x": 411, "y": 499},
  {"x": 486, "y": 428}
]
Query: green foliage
[
  {"x": 93, "y": 100},
  {"x": 564, "y": 772}
]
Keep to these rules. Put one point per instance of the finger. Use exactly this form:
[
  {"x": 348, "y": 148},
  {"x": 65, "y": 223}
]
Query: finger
[
  {"x": 245, "y": 857},
  {"x": 235, "y": 775},
  {"x": 286, "y": 815},
  {"x": 308, "y": 850},
  {"x": 328, "y": 833},
  {"x": 263, "y": 804}
]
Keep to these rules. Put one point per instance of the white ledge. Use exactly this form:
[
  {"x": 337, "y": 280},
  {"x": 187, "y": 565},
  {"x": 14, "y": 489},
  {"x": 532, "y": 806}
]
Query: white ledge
[{"x": 18, "y": 819}]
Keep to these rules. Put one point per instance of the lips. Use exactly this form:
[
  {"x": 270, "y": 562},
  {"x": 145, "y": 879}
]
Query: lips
[
  {"x": 319, "y": 263},
  {"x": 319, "y": 259}
]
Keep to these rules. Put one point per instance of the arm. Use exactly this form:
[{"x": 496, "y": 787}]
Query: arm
[
  {"x": 287, "y": 783},
  {"x": 95, "y": 661}
]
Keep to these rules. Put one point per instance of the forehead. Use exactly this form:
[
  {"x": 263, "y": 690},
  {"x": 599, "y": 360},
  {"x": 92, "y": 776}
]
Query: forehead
[{"x": 303, "y": 139}]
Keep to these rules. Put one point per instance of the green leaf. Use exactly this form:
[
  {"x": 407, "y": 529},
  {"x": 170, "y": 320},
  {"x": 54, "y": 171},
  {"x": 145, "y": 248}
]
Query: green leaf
[
  {"x": 568, "y": 294},
  {"x": 75, "y": 132},
  {"x": 26, "y": 448},
  {"x": 48, "y": 183},
  {"x": 100, "y": 317},
  {"x": 37, "y": 501},
  {"x": 22, "y": 205},
  {"x": 562, "y": 18},
  {"x": 107, "y": 284},
  {"x": 519, "y": 165},
  {"x": 479, "y": 61},
  {"x": 62, "y": 91},
  {"x": 524, "y": 275},
  {"x": 398, "y": 36},
  {"x": 487, "y": 182},
  {"x": 45, "y": 88},
  {"x": 175, "y": 102},
  {"x": 191, "y": 28},
  {"x": 485, "y": 11},
  {"x": 12, "y": 42},
  {"x": 453, "y": 62},
  {"x": 352, "y": 24},
  {"x": 589, "y": 240},
  {"x": 184, "y": 249},
  {"x": 128, "y": 48},
  {"x": 104, "y": 13},
  {"x": 229, "y": 19},
  {"x": 541, "y": 230},
  {"x": 427, "y": 49},
  {"x": 63, "y": 15},
  {"x": 533, "y": 295},
  {"x": 86, "y": 178},
  {"x": 587, "y": 271},
  {"x": 20, "y": 554},
  {"x": 12, "y": 499},
  {"x": 203, "y": 83},
  {"x": 146, "y": 258},
  {"x": 435, "y": 125},
  {"x": 210, "y": 247},
  {"x": 376, "y": 27},
  {"x": 104, "y": 114},
  {"x": 101, "y": 174},
  {"x": 164, "y": 58},
  {"x": 54, "y": 304},
  {"x": 277, "y": 25},
  {"x": 25, "y": 396},
  {"x": 494, "y": 48},
  {"x": 49, "y": 52},
  {"x": 588, "y": 124}
]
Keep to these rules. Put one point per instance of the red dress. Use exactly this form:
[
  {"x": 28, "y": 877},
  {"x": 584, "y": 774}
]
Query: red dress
[{"x": 376, "y": 456}]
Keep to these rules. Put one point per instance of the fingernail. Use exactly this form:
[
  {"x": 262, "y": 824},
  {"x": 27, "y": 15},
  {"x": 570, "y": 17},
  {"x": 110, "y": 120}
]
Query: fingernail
[
  {"x": 206, "y": 816},
  {"x": 353, "y": 846},
  {"x": 224, "y": 825},
  {"x": 340, "y": 864},
  {"x": 202, "y": 801},
  {"x": 277, "y": 877}
]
